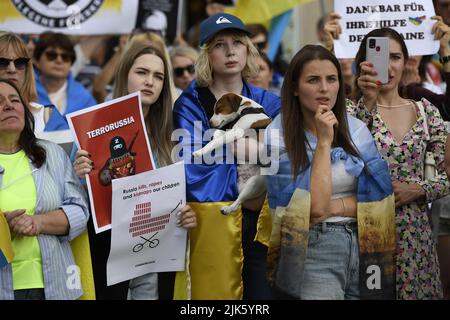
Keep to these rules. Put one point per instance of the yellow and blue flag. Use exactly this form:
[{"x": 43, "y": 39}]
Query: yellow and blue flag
[
  {"x": 216, "y": 256},
  {"x": 291, "y": 201},
  {"x": 6, "y": 251},
  {"x": 417, "y": 20},
  {"x": 262, "y": 11}
]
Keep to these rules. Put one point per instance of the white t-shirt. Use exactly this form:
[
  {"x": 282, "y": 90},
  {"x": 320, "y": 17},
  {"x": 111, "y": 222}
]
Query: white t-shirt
[
  {"x": 38, "y": 114},
  {"x": 59, "y": 99},
  {"x": 343, "y": 185}
]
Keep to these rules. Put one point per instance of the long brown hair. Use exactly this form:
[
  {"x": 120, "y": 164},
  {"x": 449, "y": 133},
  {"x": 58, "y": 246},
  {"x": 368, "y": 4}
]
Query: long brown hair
[
  {"x": 292, "y": 115},
  {"x": 159, "y": 118}
]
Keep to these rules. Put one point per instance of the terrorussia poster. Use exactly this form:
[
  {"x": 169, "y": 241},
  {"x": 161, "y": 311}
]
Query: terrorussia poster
[
  {"x": 410, "y": 18},
  {"x": 115, "y": 136}
]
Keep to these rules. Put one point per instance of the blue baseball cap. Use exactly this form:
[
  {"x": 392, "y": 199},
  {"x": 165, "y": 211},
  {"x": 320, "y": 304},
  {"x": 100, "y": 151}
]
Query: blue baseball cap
[{"x": 218, "y": 22}]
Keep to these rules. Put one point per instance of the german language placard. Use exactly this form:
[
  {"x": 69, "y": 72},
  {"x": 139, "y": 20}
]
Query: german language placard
[{"x": 411, "y": 18}]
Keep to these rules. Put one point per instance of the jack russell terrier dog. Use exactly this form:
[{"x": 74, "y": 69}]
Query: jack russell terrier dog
[{"x": 241, "y": 114}]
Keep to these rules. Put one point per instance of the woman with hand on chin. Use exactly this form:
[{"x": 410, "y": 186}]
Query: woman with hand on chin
[{"x": 328, "y": 167}]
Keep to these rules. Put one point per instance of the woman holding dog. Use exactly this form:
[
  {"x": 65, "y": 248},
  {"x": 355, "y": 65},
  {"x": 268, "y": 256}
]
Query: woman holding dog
[
  {"x": 143, "y": 68},
  {"x": 331, "y": 199},
  {"x": 226, "y": 261}
]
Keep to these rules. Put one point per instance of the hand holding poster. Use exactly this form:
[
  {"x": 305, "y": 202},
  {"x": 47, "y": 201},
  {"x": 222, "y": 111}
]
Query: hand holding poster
[
  {"x": 114, "y": 134},
  {"x": 144, "y": 235},
  {"x": 411, "y": 18}
]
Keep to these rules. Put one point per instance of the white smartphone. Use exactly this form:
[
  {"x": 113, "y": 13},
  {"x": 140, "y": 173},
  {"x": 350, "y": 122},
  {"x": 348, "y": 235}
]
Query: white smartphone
[{"x": 377, "y": 49}]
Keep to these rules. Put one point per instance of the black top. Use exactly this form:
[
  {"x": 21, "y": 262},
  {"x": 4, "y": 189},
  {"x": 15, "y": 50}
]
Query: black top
[{"x": 207, "y": 99}]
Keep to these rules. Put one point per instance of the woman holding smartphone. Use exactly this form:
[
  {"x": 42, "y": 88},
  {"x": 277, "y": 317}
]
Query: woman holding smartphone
[{"x": 400, "y": 131}]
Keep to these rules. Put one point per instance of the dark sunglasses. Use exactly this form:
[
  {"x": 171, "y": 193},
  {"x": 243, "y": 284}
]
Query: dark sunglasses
[
  {"x": 19, "y": 63},
  {"x": 261, "y": 45},
  {"x": 53, "y": 55},
  {"x": 180, "y": 71},
  {"x": 27, "y": 38}
]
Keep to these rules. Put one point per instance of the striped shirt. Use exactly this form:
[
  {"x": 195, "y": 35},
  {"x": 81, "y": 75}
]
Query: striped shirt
[{"x": 57, "y": 188}]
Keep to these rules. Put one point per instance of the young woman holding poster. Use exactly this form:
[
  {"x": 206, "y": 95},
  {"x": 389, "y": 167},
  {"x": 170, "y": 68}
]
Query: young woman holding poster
[
  {"x": 143, "y": 68},
  {"x": 404, "y": 131}
]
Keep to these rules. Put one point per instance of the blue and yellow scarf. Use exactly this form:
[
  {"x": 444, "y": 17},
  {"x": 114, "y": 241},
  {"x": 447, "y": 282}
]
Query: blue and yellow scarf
[{"x": 289, "y": 201}]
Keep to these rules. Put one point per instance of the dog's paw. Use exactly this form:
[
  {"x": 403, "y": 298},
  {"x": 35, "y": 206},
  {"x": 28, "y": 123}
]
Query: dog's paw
[
  {"x": 197, "y": 154},
  {"x": 226, "y": 210}
]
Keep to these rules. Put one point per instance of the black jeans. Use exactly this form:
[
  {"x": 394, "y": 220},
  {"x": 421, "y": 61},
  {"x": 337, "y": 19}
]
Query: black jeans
[
  {"x": 29, "y": 294},
  {"x": 254, "y": 276}
]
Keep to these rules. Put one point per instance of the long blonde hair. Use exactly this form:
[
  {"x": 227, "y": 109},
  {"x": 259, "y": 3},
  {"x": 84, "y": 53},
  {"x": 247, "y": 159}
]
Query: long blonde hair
[
  {"x": 203, "y": 68},
  {"x": 159, "y": 118},
  {"x": 28, "y": 87}
]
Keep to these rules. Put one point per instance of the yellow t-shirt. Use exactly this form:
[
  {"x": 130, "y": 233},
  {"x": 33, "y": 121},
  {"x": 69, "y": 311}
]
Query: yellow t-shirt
[{"x": 18, "y": 191}]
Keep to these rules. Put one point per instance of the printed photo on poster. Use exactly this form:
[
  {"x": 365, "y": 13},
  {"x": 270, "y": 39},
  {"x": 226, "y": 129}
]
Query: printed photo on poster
[
  {"x": 161, "y": 16},
  {"x": 114, "y": 134}
]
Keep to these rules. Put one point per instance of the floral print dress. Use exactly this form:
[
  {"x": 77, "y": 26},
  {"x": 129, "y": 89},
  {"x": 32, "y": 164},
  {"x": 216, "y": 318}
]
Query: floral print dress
[{"x": 418, "y": 275}]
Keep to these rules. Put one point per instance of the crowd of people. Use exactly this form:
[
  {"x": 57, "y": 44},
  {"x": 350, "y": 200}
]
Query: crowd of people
[{"x": 349, "y": 191}]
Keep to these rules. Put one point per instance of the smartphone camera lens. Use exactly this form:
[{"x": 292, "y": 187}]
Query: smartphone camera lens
[{"x": 372, "y": 43}]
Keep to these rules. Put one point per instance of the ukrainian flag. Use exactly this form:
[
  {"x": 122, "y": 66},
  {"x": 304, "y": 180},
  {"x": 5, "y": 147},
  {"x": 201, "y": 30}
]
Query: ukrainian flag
[
  {"x": 216, "y": 255},
  {"x": 6, "y": 252},
  {"x": 262, "y": 11}
]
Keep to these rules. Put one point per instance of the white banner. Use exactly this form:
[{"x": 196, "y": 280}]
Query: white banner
[
  {"x": 411, "y": 18},
  {"x": 144, "y": 235},
  {"x": 82, "y": 17}
]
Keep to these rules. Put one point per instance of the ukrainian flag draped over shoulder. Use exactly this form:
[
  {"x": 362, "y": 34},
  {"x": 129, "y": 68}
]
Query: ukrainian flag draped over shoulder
[
  {"x": 82, "y": 255},
  {"x": 6, "y": 251},
  {"x": 216, "y": 256},
  {"x": 261, "y": 11},
  {"x": 290, "y": 203}
]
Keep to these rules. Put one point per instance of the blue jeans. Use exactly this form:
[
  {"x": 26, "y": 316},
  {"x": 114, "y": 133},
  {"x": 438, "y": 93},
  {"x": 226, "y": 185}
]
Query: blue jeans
[
  {"x": 332, "y": 263},
  {"x": 144, "y": 287}
]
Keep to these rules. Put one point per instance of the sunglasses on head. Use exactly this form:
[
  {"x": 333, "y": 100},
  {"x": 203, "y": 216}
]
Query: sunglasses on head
[
  {"x": 180, "y": 70},
  {"x": 19, "y": 63},
  {"x": 53, "y": 55}
]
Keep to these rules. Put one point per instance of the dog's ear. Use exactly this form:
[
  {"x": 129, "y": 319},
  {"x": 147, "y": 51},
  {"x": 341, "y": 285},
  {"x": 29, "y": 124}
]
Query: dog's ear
[
  {"x": 234, "y": 101},
  {"x": 223, "y": 105}
]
